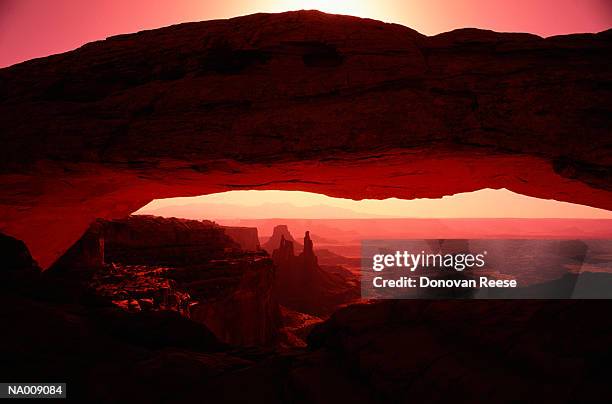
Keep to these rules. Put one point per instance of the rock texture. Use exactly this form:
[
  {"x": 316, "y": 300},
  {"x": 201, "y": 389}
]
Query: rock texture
[
  {"x": 554, "y": 351},
  {"x": 302, "y": 100},
  {"x": 473, "y": 351},
  {"x": 303, "y": 285},
  {"x": 87, "y": 252},
  {"x": 390, "y": 352},
  {"x": 154, "y": 240},
  {"x": 150, "y": 263},
  {"x": 236, "y": 300},
  {"x": 246, "y": 237}
]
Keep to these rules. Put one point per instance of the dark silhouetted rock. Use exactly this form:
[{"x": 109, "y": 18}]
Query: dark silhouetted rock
[
  {"x": 86, "y": 253},
  {"x": 304, "y": 286},
  {"x": 585, "y": 285},
  {"x": 339, "y": 105},
  {"x": 236, "y": 299},
  {"x": 280, "y": 232},
  {"x": 387, "y": 352},
  {"x": 14, "y": 254},
  {"x": 18, "y": 270},
  {"x": 159, "y": 241},
  {"x": 473, "y": 351}
]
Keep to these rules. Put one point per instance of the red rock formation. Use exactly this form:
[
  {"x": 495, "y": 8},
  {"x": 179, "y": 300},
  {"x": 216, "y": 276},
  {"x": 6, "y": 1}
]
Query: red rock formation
[
  {"x": 305, "y": 101},
  {"x": 309, "y": 257},
  {"x": 189, "y": 266},
  {"x": 247, "y": 237},
  {"x": 153, "y": 240},
  {"x": 280, "y": 233},
  {"x": 296, "y": 327},
  {"x": 285, "y": 251},
  {"x": 472, "y": 351},
  {"x": 390, "y": 351},
  {"x": 304, "y": 286},
  {"x": 87, "y": 252},
  {"x": 137, "y": 288},
  {"x": 236, "y": 301}
]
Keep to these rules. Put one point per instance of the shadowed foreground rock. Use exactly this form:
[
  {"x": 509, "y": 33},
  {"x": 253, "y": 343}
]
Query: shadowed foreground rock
[
  {"x": 475, "y": 351},
  {"x": 302, "y": 100},
  {"x": 384, "y": 352},
  {"x": 389, "y": 352}
]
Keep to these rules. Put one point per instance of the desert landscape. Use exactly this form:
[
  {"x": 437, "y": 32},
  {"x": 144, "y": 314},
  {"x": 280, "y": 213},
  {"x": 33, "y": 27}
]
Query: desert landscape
[{"x": 195, "y": 305}]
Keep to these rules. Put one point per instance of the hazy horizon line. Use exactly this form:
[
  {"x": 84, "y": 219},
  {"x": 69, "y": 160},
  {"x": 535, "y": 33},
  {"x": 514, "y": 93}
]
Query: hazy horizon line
[{"x": 382, "y": 218}]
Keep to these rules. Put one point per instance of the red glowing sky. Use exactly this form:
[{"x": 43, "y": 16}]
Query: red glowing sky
[{"x": 35, "y": 28}]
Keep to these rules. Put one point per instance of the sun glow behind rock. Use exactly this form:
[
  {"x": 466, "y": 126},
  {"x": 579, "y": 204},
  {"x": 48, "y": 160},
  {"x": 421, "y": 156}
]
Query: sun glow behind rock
[
  {"x": 33, "y": 28},
  {"x": 357, "y": 8}
]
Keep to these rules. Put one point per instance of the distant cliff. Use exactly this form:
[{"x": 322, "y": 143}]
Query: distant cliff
[
  {"x": 247, "y": 237},
  {"x": 281, "y": 231}
]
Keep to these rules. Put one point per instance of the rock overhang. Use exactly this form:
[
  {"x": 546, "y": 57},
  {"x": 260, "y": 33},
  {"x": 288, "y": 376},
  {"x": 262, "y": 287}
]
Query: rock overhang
[{"x": 304, "y": 101}]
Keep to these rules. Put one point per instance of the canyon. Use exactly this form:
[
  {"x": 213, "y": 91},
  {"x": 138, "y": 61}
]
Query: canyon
[
  {"x": 199, "y": 269},
  {"x": 168, "y": 310},
  {"x": 148, "y": 263}
]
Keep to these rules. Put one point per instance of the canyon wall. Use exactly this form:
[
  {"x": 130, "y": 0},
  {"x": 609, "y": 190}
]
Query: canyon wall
[
  {"x": 246, "y": 237},
  {"x": 148, "y": 263},
  {"x": 154, "y": 240}
]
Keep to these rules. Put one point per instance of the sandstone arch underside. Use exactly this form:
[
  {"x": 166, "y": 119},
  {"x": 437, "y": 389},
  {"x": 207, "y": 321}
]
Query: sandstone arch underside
[{"x": 305, "y": 101}]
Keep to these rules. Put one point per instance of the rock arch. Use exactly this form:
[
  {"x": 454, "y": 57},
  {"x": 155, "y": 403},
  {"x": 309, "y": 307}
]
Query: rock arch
[{"x": 304, "y": 100}]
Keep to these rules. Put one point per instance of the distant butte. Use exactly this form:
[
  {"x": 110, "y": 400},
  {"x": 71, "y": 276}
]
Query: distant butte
[{"x": 303, "y": 100}]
